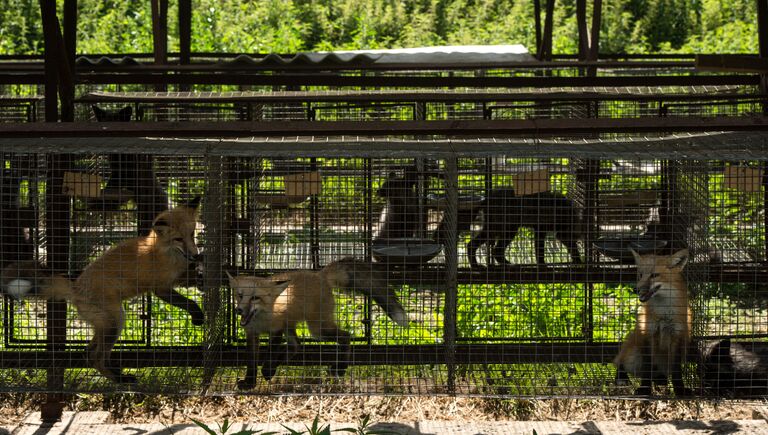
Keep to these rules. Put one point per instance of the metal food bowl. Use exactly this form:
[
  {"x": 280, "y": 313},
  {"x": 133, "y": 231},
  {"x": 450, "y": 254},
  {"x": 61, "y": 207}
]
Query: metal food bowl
[
  {"x": 621, "y": 247},
  {"x": 405, "y": 250},
  {"x": 465, "y": 202}
]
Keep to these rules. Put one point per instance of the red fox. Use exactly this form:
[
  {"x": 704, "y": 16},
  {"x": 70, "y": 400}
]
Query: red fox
[
  {"x": 655, "y": 350},
  {"x": 135, "y": 266},
  {"x": 277, "y": 304}
]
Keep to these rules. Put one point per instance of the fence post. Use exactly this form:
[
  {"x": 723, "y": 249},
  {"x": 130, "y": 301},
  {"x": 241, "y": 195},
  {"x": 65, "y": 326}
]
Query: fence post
[
  {"x": 451, "y": 269},
  {"x": 213, "y": 256}
]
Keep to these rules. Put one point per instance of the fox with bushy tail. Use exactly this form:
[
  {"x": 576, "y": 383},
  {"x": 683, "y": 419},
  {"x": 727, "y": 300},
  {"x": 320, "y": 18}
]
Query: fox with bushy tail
[
  {"x": 151, "y": 263},
  {"x": 277, "y": 304}
]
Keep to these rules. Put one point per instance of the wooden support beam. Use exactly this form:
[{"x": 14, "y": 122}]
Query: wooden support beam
[
  {"x": 581, "y": 24},
  {"x": 458, "y": 128},
  {"x": 594, "y": 40},
  {"x": 68, "y": 60},
  {"x": 185, "y": 31},
  {"x": 732, "y": 63},
  {"x": 185, "y": 36},
  {"x": 59, "y": 80},
  {"x": 160, "y": 36},
  {"x": 537, "y": 22},
  {"x": 545, "y": 51}
]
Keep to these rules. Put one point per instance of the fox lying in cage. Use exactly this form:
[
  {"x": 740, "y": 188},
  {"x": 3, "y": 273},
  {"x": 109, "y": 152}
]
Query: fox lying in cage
[
  {"x": 276, "y": 305},
  {"x": 135, "y": 266},
  {"x": 734, "y": 369},
  {"x": 504, "y": 213},
  {"x": 655, "y": 350}
]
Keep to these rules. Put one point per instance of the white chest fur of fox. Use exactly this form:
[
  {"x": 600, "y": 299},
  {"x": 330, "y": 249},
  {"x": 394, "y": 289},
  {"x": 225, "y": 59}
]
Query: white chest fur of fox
[{"x": 656, "y": 348}]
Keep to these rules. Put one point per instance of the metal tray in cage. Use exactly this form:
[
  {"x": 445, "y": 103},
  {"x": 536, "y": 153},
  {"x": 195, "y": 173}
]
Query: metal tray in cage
[
  {"x": 465, "y": 202},
  {"x": 405, "y": 250},
  {"x": 620, "y": 247}
]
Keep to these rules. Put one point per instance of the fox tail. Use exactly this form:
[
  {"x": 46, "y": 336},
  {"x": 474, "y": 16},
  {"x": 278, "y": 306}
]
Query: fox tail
[
  {"x": 367, "y": 278},
  {"x": 32, "y": 279}
]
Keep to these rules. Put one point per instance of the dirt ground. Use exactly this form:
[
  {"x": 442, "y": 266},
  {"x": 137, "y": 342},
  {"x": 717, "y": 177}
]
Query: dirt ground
[{"x": 137, "y": 408}]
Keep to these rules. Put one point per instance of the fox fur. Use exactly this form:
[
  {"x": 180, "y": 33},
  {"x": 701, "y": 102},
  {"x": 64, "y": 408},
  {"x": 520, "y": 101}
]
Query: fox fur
[
  {"x": 735, "y": 369},
  {"x": 655, "y": 350},
  {"x": 504, "y": 213},
  {"x": 277, "y": 304},
  {"x": 400, "y": 217},
  {"x": 151, "y": 263},
  {"x": 131, "y": 175}
]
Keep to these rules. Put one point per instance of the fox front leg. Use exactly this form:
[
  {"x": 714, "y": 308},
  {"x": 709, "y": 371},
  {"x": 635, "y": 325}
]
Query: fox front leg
[
  {"x": 172, "y": 297},
  {"x": 252, "y": 358},
  {"x": 275, "y": 357}
]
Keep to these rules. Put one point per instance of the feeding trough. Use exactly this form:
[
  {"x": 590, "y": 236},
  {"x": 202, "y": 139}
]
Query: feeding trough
[
  {"x": 405, "y": 250},
  {"x": 621, "y": 247}
]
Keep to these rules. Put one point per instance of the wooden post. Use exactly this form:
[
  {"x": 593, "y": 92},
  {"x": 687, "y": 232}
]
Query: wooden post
[
  {"x": 212, "y": 213},
  {"x": 581, "y": 24},
  {"x": 185, "y": 35},
  {"x": 594, "y": 40},
  {"x": 57, "y": 73},
  {"x": 69, "y": 43},
  {"x": 762, "y": 37},
  {"x": 545, "y": 50},
  {"x": 537, "y": 22},
  {"x": 450, "y": 216}
]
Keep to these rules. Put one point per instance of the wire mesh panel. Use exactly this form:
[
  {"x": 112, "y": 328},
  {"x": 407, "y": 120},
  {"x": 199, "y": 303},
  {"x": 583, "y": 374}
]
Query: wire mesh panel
[{"x": 391, "y": 266}]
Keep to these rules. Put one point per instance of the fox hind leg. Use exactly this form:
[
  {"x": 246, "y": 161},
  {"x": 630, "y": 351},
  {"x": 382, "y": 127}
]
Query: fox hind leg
[
  {"x": 334, "y": 333},
  {"x": 100, "y": 350}
]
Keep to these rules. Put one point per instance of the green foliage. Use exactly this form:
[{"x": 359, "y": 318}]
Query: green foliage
[
  {"x": 286, "y": 26},
  {"x": 224, "y": 428}
]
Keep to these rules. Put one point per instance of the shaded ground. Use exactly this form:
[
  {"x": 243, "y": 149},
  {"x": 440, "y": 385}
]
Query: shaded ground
[{"x": 126, "y": 409}]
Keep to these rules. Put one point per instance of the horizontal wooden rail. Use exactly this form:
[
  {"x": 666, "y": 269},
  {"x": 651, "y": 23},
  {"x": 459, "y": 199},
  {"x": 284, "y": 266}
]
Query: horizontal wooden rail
[
  {"x": 577, "y": 352},
  {"x": 471, "y": 128},
  {"x": 414, "y": 81}
]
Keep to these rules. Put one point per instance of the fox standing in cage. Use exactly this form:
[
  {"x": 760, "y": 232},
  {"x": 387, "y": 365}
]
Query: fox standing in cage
[
  {"x": 151, "y": 263},
  {"x": 276, "y": 305},
  {"x": 656, "y": 349},
  {"x": 131, "y": 175}
]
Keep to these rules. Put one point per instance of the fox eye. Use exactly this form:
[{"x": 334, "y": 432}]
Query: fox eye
[
  {"x": 178, "y": 239},
  {"x": 654, "y": 275},
  {"x": 239, "y": 295}
]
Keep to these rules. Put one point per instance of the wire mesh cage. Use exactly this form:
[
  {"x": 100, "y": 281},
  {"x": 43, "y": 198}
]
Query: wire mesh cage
[{"x": 505, "y": 270}]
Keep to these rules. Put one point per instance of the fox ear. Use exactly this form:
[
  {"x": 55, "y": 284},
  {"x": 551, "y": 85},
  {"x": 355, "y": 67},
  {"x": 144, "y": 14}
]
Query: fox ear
[
  {"x": 231, "y": 278},
  {"x": 98, "y": 111},
  {"x": 280, "y": 285},
  {"x": 678, "y": 260},
  {"x": 635, "y": 254},
  {"x": 125, "y": 113},
  {"x": 194, "y": 204},
  {"x": 161, "y": 226}
]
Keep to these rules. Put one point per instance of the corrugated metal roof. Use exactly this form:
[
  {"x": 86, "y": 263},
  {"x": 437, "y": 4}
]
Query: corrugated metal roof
[{"x": 452, "y": 55}]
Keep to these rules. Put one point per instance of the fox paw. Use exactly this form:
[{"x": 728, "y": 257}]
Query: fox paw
[
  {"x": 643, "y": 391},
  {"x": 337, "y": 370},
  {"x": 268, "y": 371},
  {"x": 245, "y": 384},
  {"x": 198, "y": 319}
]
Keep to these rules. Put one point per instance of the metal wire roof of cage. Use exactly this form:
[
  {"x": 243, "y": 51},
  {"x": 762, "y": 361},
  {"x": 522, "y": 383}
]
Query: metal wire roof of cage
[
  {"x": 679, "y": 146},
  {"x": 668, "y": 92}
]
